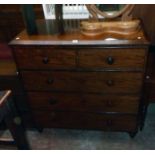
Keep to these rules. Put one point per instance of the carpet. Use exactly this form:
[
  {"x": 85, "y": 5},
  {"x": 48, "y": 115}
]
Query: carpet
[{"x": 67, "y": 139}]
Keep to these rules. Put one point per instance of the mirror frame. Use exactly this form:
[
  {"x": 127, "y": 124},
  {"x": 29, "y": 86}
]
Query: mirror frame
[{"x": 125, "y": 12}]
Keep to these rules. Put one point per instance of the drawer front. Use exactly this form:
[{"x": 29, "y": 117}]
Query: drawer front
[
  {"x": 98, "y": 82},
  {"x": 44, "y": 58},
  {"x": 85, "y": 120},
  {"x": 83, "y": 102},
  {"x": 112, "y": 58}
]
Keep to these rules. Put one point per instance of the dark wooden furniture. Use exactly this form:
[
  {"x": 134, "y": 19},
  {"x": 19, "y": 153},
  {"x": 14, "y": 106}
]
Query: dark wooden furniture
[
  {"x": 9, "y": 115},
  {"x": 10, "y": 26},
  {"x": 73, "y": 81}
]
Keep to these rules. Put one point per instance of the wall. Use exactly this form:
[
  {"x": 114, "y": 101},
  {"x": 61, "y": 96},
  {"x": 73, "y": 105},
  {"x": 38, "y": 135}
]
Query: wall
[
  {"x": 11, "y": 20},
  {"x": 146, "y": 12}
]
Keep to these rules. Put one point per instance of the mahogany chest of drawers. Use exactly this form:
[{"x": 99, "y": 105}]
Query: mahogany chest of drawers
[{"x": 72, "y": 81}]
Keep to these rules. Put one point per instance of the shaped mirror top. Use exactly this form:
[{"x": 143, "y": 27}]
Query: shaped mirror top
[{"x": 110, "y": 7}]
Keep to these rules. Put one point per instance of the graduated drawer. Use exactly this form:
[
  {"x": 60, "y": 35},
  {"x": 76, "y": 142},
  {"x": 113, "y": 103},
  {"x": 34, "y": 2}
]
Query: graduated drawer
[
  {"x": 38, "y": 57},
  {"x": 68, "y": 119},
  {"x": 120, "y": 58},
  {"x": 97, "y": 82},
  {"x": 83, "y": 102}
]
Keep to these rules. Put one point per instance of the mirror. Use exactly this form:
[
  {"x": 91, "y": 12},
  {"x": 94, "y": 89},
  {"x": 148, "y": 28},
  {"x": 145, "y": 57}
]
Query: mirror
[
  {"x": 109, "y": 10},
  {"x": 109, "y": 7},
  {"x": 117, "y": 10}
]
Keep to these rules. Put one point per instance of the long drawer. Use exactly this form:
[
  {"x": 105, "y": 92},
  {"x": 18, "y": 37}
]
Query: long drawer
[
  {"x": 45, "y": 58},
  {"x": 99, "y": 58},
  {"x": 83, "y": 102},
  {"x": 60, "y": 119},
  {"x": 112, "y": 58},
  {"x": 97, "y": 82}
]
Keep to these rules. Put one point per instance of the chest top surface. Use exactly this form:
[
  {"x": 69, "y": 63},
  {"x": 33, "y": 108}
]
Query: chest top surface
[{"x": 67, "y": 32}]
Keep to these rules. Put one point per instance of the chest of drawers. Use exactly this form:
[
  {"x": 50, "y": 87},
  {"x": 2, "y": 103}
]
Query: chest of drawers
[{"x": 92, "y": 84}]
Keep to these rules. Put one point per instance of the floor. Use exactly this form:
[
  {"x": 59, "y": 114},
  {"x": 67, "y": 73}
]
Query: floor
[{"x": 62, "y": 139}]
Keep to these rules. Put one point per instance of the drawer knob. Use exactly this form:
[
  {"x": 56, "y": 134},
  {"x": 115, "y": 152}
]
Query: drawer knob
[
  {"x": 53, "y": 101},
  {"x": 110, "y": 82},
  {"x": 50, "y": 81},
  {"x": 110, "y": 60},
  {"x": 53, "y": 115},
  {"x": 45, "y": 60},
  {"x": 109, "y": 103},
  {"x": 109, "y": 123}
]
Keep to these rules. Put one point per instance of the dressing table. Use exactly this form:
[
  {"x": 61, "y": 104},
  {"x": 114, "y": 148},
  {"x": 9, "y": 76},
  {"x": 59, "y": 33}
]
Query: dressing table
[{"x": 72, "y": 80}]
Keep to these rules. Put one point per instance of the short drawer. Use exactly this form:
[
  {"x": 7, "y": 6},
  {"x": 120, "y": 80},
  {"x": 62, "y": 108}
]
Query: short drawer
[
  {"x": 60, "y": 119},
  {"x": 112, "y": 58},
  {"x": 44, "y": 58},
  {"x": 97, "y": 82},
  {"x": 83, "y": 102}
]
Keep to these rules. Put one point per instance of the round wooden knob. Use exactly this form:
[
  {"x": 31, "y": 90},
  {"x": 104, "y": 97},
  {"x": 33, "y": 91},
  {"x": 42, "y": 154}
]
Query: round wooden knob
[
  {"x": 110, "y": 60},
  {"x": 109, "y": 122},
  {"x": 53, "y": 101},
  {"x": 53, "y": 115},
  {"x": 110, "y": 82},
  {"x": 45, "y": 60},
  {"x": 50, "y": 81},
  {"x": 109, "y": 103}
]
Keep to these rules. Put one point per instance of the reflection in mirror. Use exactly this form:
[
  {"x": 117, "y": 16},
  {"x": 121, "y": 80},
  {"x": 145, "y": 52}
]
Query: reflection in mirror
[{"x": 110, "y": 7}]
